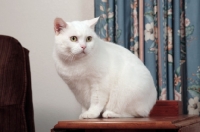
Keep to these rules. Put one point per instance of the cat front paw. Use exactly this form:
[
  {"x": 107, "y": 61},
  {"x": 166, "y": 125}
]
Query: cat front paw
[
  {"x": 110, "y": 114},
  {"x": 89, "y": 115}
]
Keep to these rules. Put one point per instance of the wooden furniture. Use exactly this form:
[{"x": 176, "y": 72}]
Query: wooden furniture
[
  {"x": 165, "y": 116},
  {"x": 16, "y": 105}
]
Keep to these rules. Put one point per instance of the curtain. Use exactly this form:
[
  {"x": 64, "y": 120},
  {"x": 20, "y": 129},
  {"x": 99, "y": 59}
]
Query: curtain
[{"x": 164, "y": 34}]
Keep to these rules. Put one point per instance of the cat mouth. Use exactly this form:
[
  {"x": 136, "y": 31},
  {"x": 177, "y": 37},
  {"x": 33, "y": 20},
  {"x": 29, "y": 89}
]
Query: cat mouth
[{"x": 83, "y": 52}]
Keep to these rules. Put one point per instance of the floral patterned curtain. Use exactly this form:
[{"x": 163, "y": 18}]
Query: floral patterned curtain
[{"x": 164, "y": 34}]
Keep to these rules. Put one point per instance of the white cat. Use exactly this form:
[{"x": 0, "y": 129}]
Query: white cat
[{"x": 104, "y": 77}]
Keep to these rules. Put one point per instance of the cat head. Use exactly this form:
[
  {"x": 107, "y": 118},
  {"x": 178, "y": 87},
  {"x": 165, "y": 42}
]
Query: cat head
[{"x": 75, "y": 39}]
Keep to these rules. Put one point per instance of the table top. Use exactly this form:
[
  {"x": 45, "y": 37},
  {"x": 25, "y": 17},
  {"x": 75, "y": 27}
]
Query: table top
[{"x": 159, "y": 122}]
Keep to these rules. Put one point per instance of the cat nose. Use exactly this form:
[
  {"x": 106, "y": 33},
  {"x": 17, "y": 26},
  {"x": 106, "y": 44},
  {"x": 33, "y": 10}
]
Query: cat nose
[{"x": 83, "y": 46}]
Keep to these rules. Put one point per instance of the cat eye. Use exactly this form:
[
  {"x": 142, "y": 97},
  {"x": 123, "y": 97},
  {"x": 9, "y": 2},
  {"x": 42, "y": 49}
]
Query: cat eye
[
  {"x": 88, "y": 39},
  {"x": 73, "y": 38}
]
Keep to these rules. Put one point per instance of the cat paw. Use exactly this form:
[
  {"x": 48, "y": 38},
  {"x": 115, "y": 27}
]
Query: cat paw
[
  {"x": 89, "y": 115},
  {"x": 110, "y": 114}
]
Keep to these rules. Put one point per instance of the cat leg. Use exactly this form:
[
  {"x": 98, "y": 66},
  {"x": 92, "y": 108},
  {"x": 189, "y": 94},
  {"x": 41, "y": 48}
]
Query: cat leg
[
  {"x": 93, "y": 112},
  {"x": 118, "y": 101},
  {"x": 83, "y": 111},
  {"x": 97, "y": 104}
]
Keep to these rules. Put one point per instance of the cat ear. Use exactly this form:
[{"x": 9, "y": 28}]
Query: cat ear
[
  {"x": 93, "y": 22},
  {"x": 59, "y": 25}
]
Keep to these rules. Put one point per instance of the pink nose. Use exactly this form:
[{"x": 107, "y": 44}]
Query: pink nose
[{"x": 83, "y": 46}]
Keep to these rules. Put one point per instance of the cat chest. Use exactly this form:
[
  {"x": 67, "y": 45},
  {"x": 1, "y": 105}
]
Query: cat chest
[{"x": 77, "y": 73}]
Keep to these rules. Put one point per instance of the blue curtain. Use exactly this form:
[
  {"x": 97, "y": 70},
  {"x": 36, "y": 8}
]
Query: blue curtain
[{"x": 169, "y": 47}]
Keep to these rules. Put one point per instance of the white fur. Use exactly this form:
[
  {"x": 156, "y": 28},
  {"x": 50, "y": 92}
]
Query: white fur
[{"x": 105, "y": 78}]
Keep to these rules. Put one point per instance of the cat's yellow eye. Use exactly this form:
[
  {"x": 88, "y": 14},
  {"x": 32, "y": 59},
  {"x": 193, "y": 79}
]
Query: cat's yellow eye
[
  {"x": 73, "y": 38},
  {"x": 88, "y": 39}
]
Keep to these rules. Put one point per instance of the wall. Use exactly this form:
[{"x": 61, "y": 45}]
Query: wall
[{"x": 31, "y": 22}]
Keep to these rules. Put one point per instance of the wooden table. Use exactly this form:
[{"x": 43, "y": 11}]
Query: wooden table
[
  {"x": 166, "y": 116},
  {"x": 181, "y": 123}
]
